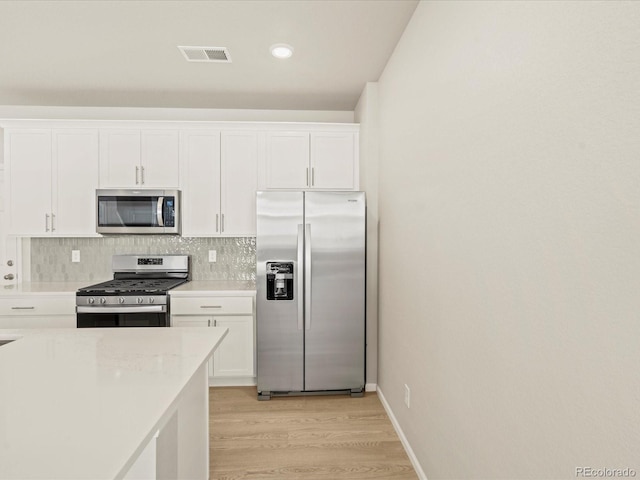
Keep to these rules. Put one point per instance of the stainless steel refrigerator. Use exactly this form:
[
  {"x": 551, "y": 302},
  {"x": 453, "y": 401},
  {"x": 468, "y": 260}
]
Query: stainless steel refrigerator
[{"x": 310, "y": 293}]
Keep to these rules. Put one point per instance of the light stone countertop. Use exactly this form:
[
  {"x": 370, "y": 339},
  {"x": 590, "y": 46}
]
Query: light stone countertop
[
  {"x": 192, "y": 288},
  {"x": 82, "y": 403},
  {"x": 43, "y": 288},
  {"x": 214, "y": 288}
]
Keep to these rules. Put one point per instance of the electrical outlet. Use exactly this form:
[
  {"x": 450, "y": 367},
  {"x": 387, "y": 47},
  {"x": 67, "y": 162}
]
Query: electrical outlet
[
  {"x": 407, "y": 395},
  {"x": 213, "y": 256},
  {"x": 75, "y": 256}
]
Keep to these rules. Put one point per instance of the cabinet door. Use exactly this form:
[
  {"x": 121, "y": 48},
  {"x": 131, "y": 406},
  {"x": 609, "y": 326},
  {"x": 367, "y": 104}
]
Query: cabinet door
[
  {"x": 28, "y": 154},
  {"x": 200, "y": 183},
  {"x": 75, "y": 179},
  {"x": 239, "y": 183},
  {"x": 119, "y": 158},
  {"x": 234, "y": 356},
  {"x": 287, "y": 160},
  {"x": 194, "y": 321},
  {"x": 333, "y": 160},
  {"x": 160, "y": 159}
]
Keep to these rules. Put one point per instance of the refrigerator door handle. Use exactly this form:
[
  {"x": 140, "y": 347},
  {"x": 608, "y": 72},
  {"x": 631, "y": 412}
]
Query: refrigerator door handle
[
  {"x": 300, "y": 276},
  {"x": 307, "y": 275}
]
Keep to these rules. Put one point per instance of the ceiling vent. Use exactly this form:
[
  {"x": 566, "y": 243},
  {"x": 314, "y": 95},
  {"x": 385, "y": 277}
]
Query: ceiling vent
[{"x": 206, "y": 54}]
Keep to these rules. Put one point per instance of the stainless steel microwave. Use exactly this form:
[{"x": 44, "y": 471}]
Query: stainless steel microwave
[{"x": 138, "y": 211}]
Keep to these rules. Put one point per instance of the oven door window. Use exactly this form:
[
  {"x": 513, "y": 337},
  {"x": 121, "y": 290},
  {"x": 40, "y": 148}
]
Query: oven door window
[{"x": 105, "y": 320}]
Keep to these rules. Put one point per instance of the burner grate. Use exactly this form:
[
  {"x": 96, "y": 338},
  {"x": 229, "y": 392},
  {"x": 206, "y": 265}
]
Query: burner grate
[{"x": 154, "y": 285}]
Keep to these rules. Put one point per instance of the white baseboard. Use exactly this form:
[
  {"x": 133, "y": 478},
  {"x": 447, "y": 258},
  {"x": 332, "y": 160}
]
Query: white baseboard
[
  {"x": 405, "y": 443},
  {"x": 370, "y": 387}
]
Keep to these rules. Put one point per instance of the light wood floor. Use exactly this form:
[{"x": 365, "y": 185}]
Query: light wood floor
[{"x": 327, "y": 437}]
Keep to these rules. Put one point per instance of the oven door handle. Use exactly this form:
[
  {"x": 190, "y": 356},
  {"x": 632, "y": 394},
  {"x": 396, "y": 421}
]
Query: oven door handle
[{"x": 140, "y": 309}]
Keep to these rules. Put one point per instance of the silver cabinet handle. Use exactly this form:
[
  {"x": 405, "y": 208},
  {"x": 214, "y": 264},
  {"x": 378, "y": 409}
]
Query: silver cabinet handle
[
  {"x": 210, "y": 306},
  {"x": 23, "y": 308},
  {"x": 222, "y": 224},
  {"x": 217, "y": 223},
  {"x": 142, "y": 175},
  {"x": 215, "y": 323},
  {"x": 307, "y": 275},
  {"x": 53, "y": 222},
  {"x": 313, "y": 176},
  {"x": 300, "y": 275},
  {"x": 46, "y": 222},
  {"x": 307, "y": 176},
  {"x": 208, "y": 322},
  {"x": 137, "y": 181}
]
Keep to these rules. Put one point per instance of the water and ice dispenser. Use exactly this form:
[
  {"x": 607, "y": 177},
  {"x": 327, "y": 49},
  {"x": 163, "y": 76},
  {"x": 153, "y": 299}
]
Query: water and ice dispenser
[{"x": 279, "y": 280}]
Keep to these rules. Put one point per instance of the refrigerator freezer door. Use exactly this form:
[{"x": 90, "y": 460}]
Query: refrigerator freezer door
[
  {"x": 335, "y": 297},
  {"x": 280, "y": 333}
]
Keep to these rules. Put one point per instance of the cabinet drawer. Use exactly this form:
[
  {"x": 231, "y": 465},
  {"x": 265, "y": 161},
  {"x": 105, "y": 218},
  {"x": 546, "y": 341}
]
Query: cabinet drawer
[
  {"x": 211, "y": 305},
  {"x": 38, "y": 306}
]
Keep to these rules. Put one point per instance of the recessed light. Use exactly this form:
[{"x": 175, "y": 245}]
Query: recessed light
[{"x": 281, "y": 50}]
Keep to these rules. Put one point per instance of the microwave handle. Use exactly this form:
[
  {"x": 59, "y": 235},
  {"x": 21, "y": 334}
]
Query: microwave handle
[{"x": 159, "y": 215}]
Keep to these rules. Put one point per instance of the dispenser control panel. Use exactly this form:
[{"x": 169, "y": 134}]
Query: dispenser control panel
[{"x": 279, "y": 280}]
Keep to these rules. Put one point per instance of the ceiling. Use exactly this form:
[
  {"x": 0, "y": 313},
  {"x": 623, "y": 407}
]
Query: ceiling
[{"x": 124, "y": 53}]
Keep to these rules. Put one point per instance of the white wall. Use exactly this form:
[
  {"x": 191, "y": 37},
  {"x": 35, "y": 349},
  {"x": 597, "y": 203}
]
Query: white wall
[
  {"x": 509, "y": 203},
  {"x": 366, "y": 113}
]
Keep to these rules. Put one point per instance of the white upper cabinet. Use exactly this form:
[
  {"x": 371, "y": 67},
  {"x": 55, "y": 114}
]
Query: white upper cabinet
[
  {"x": 287, "y": 160},
  {"x": 200, "y": 182},
  {"x": 28, "y": 162},
  {"x": 75, "y": 180},
  {"x": 139, "y": 158},
  {"x": 160, "y": 158},
  {"x": 219, "y": 182},
  {"x": 52, "y": 178},
  {"x": 239, "y": 183},
  {"x": 313, "y": 160},
  {"x": 53, "y": 169},
  {"x": 333, "y": 161}
]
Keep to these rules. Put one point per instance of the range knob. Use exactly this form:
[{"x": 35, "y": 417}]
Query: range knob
[
  {"x": 121, "y": 299},
  {"x": 91, "y": 300},
  {"x": 103, "y": 300},
  {"x": 139, "y": 300},
  {"x": 151, "y": 299}
]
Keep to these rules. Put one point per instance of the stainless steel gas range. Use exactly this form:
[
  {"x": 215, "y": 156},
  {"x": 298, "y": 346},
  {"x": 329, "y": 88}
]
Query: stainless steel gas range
[{"x": 138, "y": 295}]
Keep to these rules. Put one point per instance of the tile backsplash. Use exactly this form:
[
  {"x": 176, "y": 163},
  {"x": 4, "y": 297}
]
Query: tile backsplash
[{"x": 51, "y": 257}]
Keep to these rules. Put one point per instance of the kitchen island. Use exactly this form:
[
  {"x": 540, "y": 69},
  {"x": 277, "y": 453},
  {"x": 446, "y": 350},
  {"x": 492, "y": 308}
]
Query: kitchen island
[{"x": 105, "y": 403}]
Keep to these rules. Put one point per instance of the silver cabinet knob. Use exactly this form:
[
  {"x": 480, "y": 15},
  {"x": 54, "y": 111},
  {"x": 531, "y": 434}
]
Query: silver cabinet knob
[
  {"x": 10, "y": 263},
  {"x": 9, "y": 276}
]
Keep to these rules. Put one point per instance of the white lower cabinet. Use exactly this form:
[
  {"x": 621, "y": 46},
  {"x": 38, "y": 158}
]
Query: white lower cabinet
[
  {"x": 233, "y": 361},
  {"x": 38, "y": 311}
]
